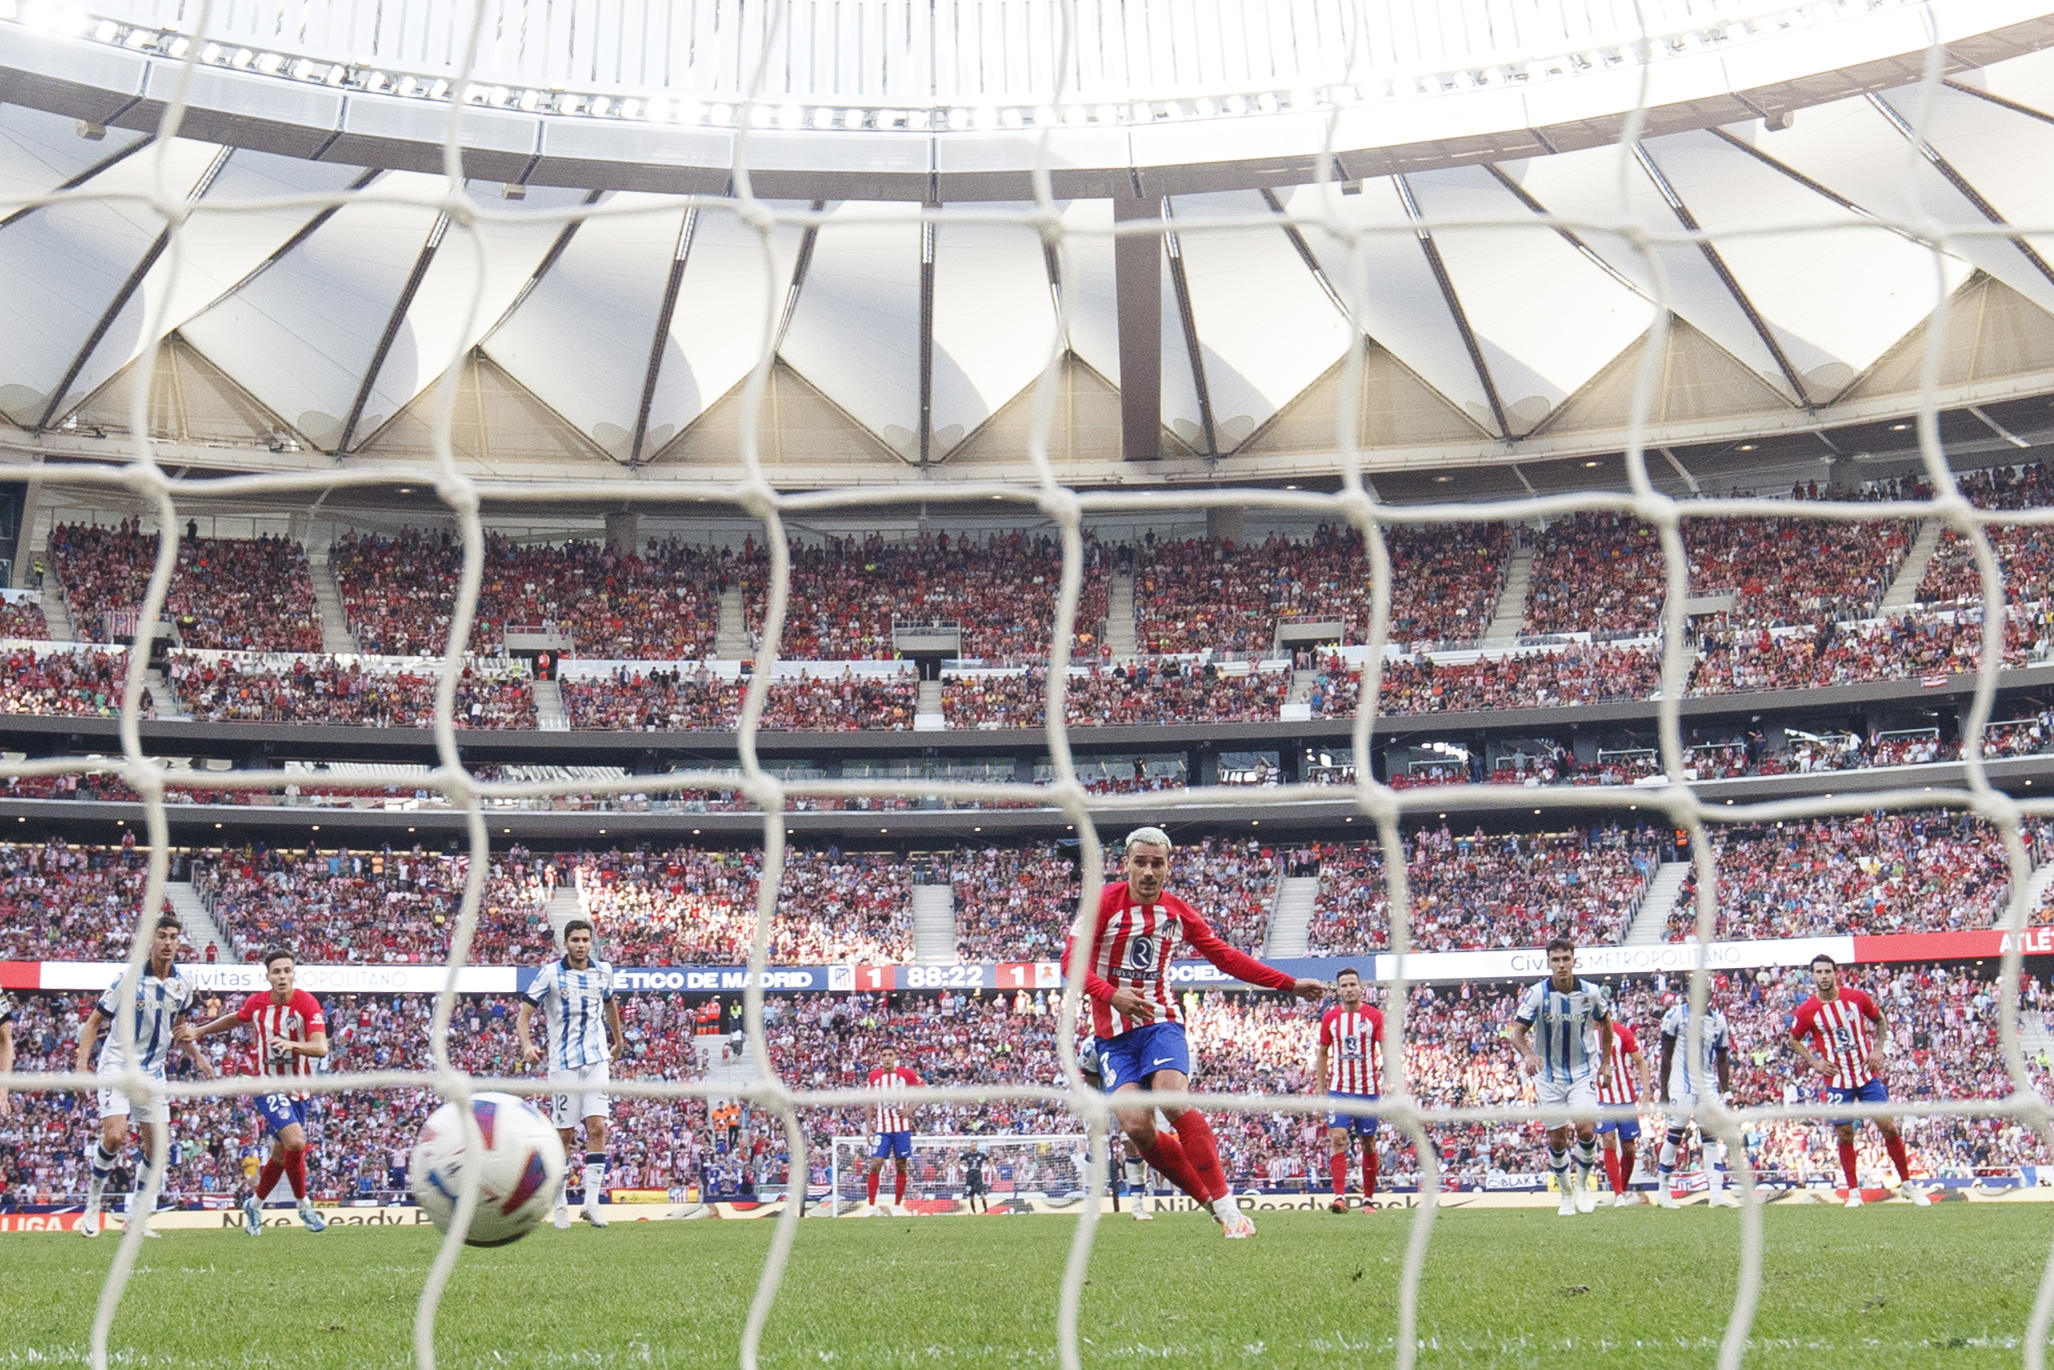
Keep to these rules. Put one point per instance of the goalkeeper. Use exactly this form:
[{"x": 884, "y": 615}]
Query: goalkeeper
[{"x": 1134, "y": 1017}]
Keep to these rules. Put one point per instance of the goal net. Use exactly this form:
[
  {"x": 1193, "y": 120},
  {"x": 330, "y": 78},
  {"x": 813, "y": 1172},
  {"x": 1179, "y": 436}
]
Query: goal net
[
  {"x": 1030, "y": 1173},
  {"x": 1348, "y": 490}
]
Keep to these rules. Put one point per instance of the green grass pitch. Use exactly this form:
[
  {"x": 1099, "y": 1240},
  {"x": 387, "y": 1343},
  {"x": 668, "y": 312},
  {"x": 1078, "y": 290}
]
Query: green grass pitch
[{"x": 1887, "y": 1287}]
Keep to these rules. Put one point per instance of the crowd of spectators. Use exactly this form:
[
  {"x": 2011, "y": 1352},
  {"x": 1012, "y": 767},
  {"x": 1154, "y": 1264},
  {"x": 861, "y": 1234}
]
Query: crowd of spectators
[
  {"x": 1869, "y": 873},
  {"x": 1520, "y": 680},
  {"x": 1164, "y": 692},
  {"x": 240, "y": 594},
  {"x": 318, "y": 689},
  {"x": 22, "y": 619},
  {"x": 654, "y": 701},
  {"x": 86, "y": 683},
  {"x": 1601, "y": 572},
  {"x": 2025, "y": 552},
  {"x": 62, "y": 902},
  {"x": 1195, "y": 594},
  {"x": 1479, "y": 892},
  {"x": 690, "y": 906},
  {"x": 1896, "y": 648},
  {"x": 662, "y": 604},
  {"x": 1942, "y": 1022},
  {"x": 375, "y": 907},
  {"x": 1001, "y": 591}
]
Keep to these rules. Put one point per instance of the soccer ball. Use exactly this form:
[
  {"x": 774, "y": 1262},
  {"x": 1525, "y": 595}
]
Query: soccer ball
[{"x": 522, "y": 1168}]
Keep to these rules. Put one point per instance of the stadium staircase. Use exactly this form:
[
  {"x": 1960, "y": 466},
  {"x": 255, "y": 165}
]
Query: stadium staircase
[
  {"x": 563, "y": 906},
  {"x": 54, "y": 612},
  {"x": 549, "y": 712},
  {"x": 1510, "y": 614},
  {"x": 1903, "y": 591},
  {"x": 1650, "y": 922},
  {"x": 731, "y": 636},
  {"x": 2033, "y": 1037},
  {"x": 927, "y": 714},
  {"x": 1290, "y": 920},
  {"x": 200, "y": 927},
  {"x": 1301, "y": 687},
  {"x": 934, "y": 924},
  {"x": 167, "y": 703},
  {"x": 1119, "y": 616},
  {"x": 336, "y": 636}
]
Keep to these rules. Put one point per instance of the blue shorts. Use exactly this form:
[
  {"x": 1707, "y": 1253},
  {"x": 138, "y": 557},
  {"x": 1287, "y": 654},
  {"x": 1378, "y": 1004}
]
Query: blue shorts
[
  {"x": 281, "y": 1111},
  {"x": 1627, "y": 1128},
  {"x": 1874, "y": 1092},
  {"x": 899, "y": 1144},
  {"x": 1133, "y": 1057},
  {"x": 1358, "y": 1124}
]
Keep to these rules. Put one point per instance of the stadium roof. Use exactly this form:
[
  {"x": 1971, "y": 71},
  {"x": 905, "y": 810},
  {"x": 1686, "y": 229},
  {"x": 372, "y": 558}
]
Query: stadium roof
[{"x": 302, "y": 332}]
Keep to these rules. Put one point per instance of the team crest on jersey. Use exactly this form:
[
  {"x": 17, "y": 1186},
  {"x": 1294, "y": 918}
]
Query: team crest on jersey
[{"x": 1141, "y": 954}]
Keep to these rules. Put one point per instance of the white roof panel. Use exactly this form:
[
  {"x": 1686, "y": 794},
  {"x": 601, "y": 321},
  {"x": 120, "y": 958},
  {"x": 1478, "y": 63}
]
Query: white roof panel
[
  {"x": 467, "y": 287},
  {"x": 1835, "y": 300},
  {"x": 1395, "y": 295},
  {"x": 855, "y": 333},
  {"x": 580, "y": 341},
  {"x": 1850, "y": 148},
  {"x": 728, "y": 305},
  {"x": 1268, "y": 329},
  {"x": 40, "y": 152},
  {"x": 63, "y": 265},
  {"x": 302, "y": 333},
  {"x": 1586, "y": 185},
  {"x": 994, "y": 322},
  {"x": 1091, "y": 296},
  {"x": 217, "y": 251},
  {"x": 2002, "y": 153},
  {"x": 1545, "y": 316}
]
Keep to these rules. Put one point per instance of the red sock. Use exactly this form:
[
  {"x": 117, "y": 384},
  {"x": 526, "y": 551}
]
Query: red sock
[
  {"x": 1899, "y": 1157},
  {"x": 1166, "y": 1154},
  {"x": 296, "y": 1172},
  {"x": 1368, "y": 1171},
  {"x": 1847, "y": 1164},
  {"x": 898, "y": 1187},
  {"x": 1204, "y": 1152},
  {"x": 1612, "y": 1169},
  {"x": 1338, "y": 1165},
  {"x": 268, "y": 1177},
  {"x": 873, "y": 1187}
]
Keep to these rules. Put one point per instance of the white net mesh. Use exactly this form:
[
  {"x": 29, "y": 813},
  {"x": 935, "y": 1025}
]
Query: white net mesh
[{"x": 141, "y": 478}]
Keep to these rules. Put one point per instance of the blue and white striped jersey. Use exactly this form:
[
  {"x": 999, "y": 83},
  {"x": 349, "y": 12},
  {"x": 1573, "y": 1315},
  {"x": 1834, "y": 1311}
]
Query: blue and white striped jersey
[
  {"x": 1564, "y": 1028},
  {"x": 574, "y": 1008},
  {"x": 1700, "y": 1076},
  {"x": 156, "y": 1005}
]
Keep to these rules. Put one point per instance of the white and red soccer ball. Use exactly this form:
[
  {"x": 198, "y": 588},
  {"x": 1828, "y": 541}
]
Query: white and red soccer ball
[{"x": 520, "y": 1169}]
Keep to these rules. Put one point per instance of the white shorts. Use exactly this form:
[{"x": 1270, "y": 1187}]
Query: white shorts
[
  {"x": 575, "y": 1095},
  {"x": 1567, "y": 1099},
  {"x": 115, "y": 1104},
  {"x": 1691, "y": 1102}
]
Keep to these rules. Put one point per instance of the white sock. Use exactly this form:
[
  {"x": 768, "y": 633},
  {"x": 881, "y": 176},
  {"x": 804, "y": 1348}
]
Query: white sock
[
  {"x": 135, "y": 1196},
  {"x": 595, "y": 1177},
  {"x": 1715, "y": 1170},
  {"x": 1224, "y": 1207},
  {"x": 1669, "y": 1156}
]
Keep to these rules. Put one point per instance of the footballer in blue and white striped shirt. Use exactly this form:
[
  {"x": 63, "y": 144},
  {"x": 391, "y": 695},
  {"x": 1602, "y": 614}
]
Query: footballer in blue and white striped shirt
[
  {"x": 579, "y": 1010},
  {"x": 1552, "y": 1030}
]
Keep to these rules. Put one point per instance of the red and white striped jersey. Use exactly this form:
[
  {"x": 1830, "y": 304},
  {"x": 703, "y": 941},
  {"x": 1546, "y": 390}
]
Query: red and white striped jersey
[
  {"x": 1133, "y": 947},
  {"x": 892, "y": 1116},
  {"x": 1619, "y": 1085},
  {"x": 1841, "y": 1029},
  {"x": 1353, "y": 1039},
  {"x": 295, "y": 1020}
]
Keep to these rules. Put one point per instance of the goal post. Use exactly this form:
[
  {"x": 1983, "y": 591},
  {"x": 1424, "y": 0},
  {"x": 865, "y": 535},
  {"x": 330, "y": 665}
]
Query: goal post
[{"x": 1016, "y": 1166}]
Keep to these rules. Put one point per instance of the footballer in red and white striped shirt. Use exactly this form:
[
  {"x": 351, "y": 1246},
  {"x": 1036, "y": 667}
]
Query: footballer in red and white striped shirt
[
  {"x": 1624, "y": 1083},
  {"x": 1839, "y": 1032},
  {"x": 1134, "y": 1016},
  {"x": 1347, "y": 1061},
  {"x": 894, "y": 1124},
  {"x": 290, "y": 1033}
]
